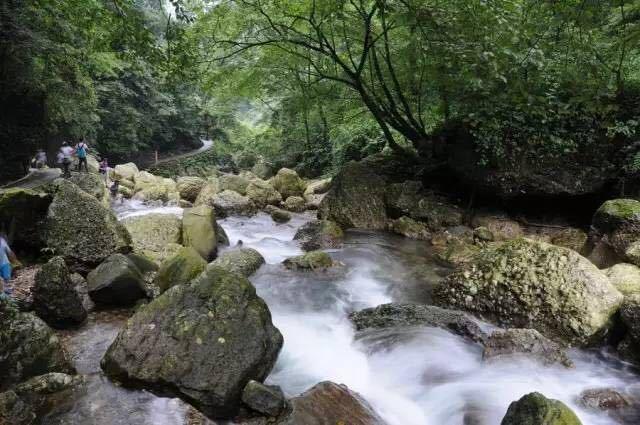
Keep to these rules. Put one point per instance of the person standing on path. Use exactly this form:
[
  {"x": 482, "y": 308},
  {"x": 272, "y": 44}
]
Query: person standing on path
[
  {"x": 6, "y": 256},
  {"x": 67, "y": 153},
  {"x": 81, "y": 151}
]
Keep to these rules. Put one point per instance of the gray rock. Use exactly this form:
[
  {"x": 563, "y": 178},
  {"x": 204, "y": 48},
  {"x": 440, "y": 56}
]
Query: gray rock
[
  {"x": 278, "y": 215},
  {"x": 527, "y": 342},
  {"x": 320, "y": 234},
  {"x": 266, "y": 399},
  {"x": 228, "y": 203},
  {"x": 603, "y": 399},
  {"x": 244, "y": 261},
  {"x": 295, "y": 204},
  {"x": 629, "y": 347},
  {"x": 117, "y": 281},
  {"x": 201, "y": 342}
]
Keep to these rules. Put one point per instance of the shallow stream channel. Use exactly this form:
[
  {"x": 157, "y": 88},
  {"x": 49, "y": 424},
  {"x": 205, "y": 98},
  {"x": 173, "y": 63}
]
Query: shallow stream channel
[{"x": 411, "y": 376}]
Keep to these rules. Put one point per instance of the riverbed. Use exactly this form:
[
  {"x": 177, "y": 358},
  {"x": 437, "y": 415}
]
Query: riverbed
[{"x": 411, "y": 376}]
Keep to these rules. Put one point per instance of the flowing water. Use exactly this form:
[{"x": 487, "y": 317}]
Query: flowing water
[{"x": 411, "y": 376}]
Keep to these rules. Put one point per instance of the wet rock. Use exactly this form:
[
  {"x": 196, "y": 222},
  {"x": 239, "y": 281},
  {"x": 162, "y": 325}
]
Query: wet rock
[
  {"x": 28, "y": 347},
  {"x": 320, "y": 234},
  {"x": 190, "y": 187},
  {"x": 625, "y": 277},
  {"x": 125, "y": 171},
  {"x": 617, "y": 224},
  {"x": 536, "y": 409},
  {"x": 208, "y": 193},
  {"x": 228, "y": 203},
  {"x": 266, "y": 399},
  {"x": 403, "y": 315},
  {"x": 180, "y": 269},
  {"x": 234, "y": 183},
  {"x": 314, "y": 260},
  {"x": 410, "y": 199},
  {"x": 199, "y": 230},
  {"x": 117, "y": 281},
  {"x": 262, "y": 193},
  {"x": 152, "y": 233},
  {"x": 571, "y": 238},
  {"x": 22, "y": 213},
  {"x": 28, "y": 402},
  {"x": 501, "y": 227},
  {"x": 223, "y": 239},
  {"x": 81, "y": 229},
  {"x": 244, "y": 261},
  {"x": 330, "y": 404},
  {"x": 603, "y": 399},
  {"x": 278, "y": 215},
  {"x": 288, "y": 183},
  {"x": 295, "y": 204},
  {"x": 410, "y": 228},
  {"x": 523, "y": 283},
  {"x": 527, "y": 342},
  {"x": 356, "y": 199},
  {"x": 55, "y": 297},
  {"x": 629, "y": 347},
  {"x": 201, "y": 342}
]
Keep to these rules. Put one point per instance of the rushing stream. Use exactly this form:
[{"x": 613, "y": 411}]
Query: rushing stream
[{"x": 411, "y": 376}]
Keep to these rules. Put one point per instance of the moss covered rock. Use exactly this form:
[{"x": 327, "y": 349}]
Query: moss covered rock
[
  {"x": 320, "y": 234},
  {"x": 528, "y": 284},
  {"x": 93, "y": 184},
  {"x": 262, "y": 169},
  {"x": 55, "y": 297},
  {"x": 536, "y": 409},
  {"x": 244, "y": 261},
  {"x": 125, "y": 171},
  {"x": 288, "y": 183},
  {"x": 28, "y": 347},
  {"x": 208, "y": 192},
  {"x": 153, "y": 233},
  {"x": 501, "y": 227},
  {"x": 262, "y": 193},
  {"x": 278, "y": 215},
  {"x": 233, "y": 182},
  {"x": 318, "y": 187},
  {"x": 295, "y": 204},
  {"x": 202, "y": 342},
  {"x": 81, "y": 229},
  {"x": 410, "y": 228},
  {"x": 117, "y": 281},
  {"x": 617, "y": 224},
  {"x": 199, "y": 230},
  {"x": 625, "y": 277},
  {"x": 629, "y": 347},
  {"x": 180, "y": 269},
  {"x": 23, "y": 213},
  {"x": 190, "y": 187},
  {"x": 314, "y": 260},
  {"x": 228, "y": 203}
]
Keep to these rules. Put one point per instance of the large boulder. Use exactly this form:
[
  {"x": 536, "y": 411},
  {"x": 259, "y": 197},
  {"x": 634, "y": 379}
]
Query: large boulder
[
  {"x": 525, "y": 342},
  {"x": 411, "y": 200},
  {"x": 617, "y": 224},
  {"x": 625, "y": 277},
  {"x": 81, "y": 229},
  {"x": 244, "y": 261},
  {"x": 152, "y": 233},
  {"x": 320, "y": 234},
  {"x": 228, "y": 203},
  {"x": 208, "y": 193},
  {"x": 190, "y": 187},
  {"x": 529, "y": 284},
  {"x": 125, "y": 171},
  {"x": 117, "y": 281},
  {"x": 28, "y": 402},
  {"x": 93, "y": 184},
  {"x": 288, "y": 183},
  {"x": 233, "y": 182},
  {"x": 22, "y": 213},
  {"x": 536, "y": 409},
  {"x": 201, "y": 342},
  {"x": 180, "y": 269},
  {"x": 263, "y": 194},
  {"x": 28, "y": 347},
  {"x": 55, "y": 297},
  {"x": 199, "y": 230},
  {"x": 405, "y": 315},
  {"x": 356, "y": 199},
  {"x": 295, "y": 204},
  {"x": 330, "y": 404}
]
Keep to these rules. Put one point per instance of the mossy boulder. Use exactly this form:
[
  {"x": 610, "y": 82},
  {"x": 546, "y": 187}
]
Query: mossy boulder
[
  {"x": 278, "y": 215},
  {"x": 199, "y": 230},
  {"x": 55, "y": 297},
  {"x": 23, "y": 213},
  {"x": 529, "y": 284},
  {"x": 356, "y": 199},
  {"x": 228, "y": 203},
  {"x": 233, "y": 182},
  {"x": 117, "y": 281},
  {"x": 288, "y": 183},
  {"x": 81, "y": 229},
  {"x": 153, "y": 233},
  {"x": 410, "y": 228},
  {"x": 180, "y": 269},
  {"x": 93, "y": 184},
  {"x": 262, "y": 193},
  {"x": 501, "y": 227},
  {"x": 314, "y": 260},
  {"x": 454, "y": 250},
  {"x": 190, "y": 187},
  {"x": 536, "y": 409},
  {"x": 625, "y": 277},
  {"x": 125, "y": 171},
  {"x": 295, "y": 204},
  {"x": 28, "y": 347},
  {"x": 208, "y": 193},
  {"x": 320, "y": 234},
  {"x": 617, "y": 224},
  {"x": 201, "y": 342},
  {"x": 243, "y": 261}
]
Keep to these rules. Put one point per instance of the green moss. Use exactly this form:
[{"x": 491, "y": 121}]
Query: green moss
[
  {"x": 536, "y": 409},
  {"x": 180, "y": 269},
  {"x": 313, "y": 260}
]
